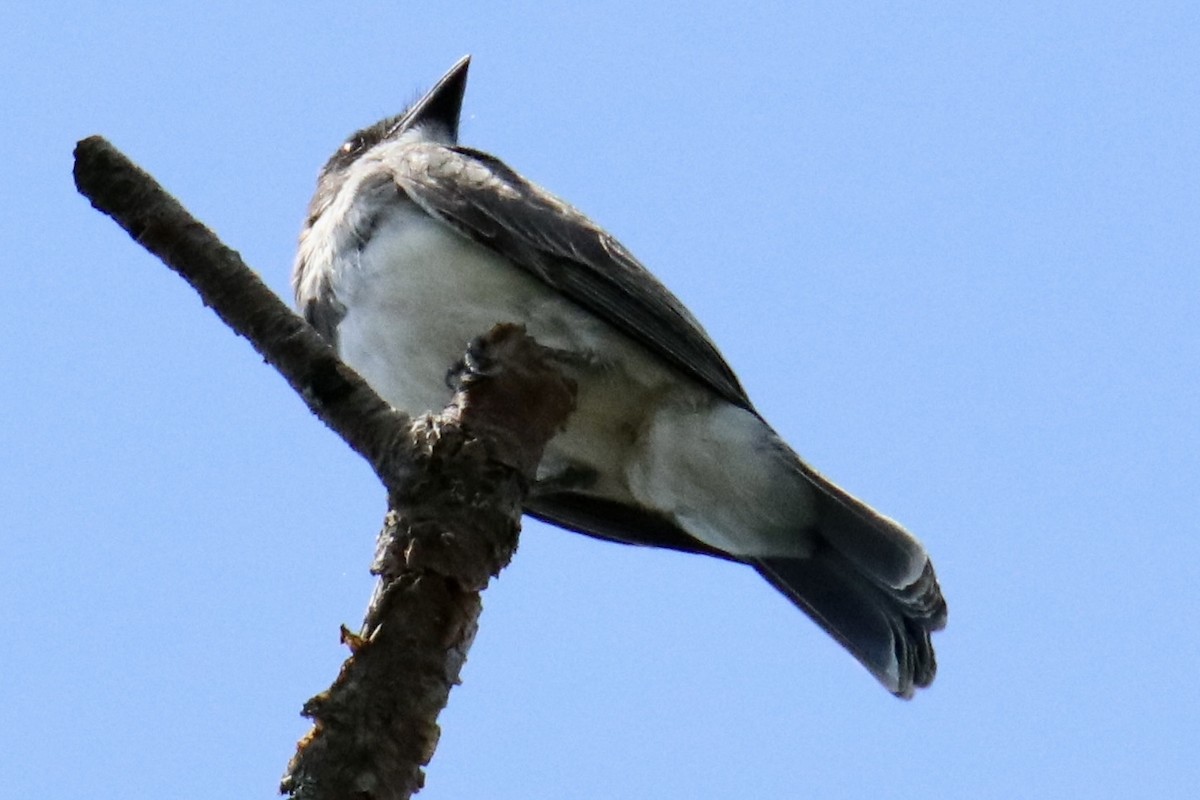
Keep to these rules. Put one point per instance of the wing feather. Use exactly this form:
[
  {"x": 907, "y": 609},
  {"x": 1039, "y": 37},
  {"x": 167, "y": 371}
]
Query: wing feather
[{"x": 483, "y": 199}]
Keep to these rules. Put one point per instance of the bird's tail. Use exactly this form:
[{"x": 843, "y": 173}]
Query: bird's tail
[{"x": 870, "y": 585}]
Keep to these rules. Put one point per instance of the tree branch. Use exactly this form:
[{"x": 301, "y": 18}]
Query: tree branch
[
  {"x": 456, "y": 483},
  {"x": 335, "y": 393}
]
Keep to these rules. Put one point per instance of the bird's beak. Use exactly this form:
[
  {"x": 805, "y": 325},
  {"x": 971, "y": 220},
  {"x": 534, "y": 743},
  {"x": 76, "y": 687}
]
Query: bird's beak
[{"x": 441, "y": 105}]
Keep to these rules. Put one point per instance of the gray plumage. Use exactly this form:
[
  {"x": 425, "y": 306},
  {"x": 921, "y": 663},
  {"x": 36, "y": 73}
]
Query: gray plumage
[{"x": 414, "y": 244}]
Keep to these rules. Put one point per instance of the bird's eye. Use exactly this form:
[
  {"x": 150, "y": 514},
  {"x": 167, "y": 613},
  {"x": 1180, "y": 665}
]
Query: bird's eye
[{"x": 355, "y": 143}]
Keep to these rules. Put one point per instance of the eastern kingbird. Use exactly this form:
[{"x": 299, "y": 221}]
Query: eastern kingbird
[{"x": 414, "y": 245}]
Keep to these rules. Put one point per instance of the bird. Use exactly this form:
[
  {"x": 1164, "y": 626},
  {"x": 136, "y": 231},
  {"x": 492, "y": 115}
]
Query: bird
[{"x": 414, "y": 245}]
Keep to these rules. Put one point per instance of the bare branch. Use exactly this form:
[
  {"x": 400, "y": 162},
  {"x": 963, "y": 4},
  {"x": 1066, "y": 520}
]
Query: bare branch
[
  {"x": 156, "y": 221},
  {"x": 456, "y": 483},
  {"x": 454, "y": 524}
]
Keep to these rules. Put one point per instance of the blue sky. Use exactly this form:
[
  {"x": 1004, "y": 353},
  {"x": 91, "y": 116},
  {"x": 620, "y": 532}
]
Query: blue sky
[{"x": 952, "y": 250}]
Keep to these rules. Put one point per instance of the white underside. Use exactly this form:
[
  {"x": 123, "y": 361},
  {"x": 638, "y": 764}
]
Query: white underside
[{"x": 419, "y": 292}]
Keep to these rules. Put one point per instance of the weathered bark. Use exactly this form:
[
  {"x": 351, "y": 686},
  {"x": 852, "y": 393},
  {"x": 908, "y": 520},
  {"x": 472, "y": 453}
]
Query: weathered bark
[
  {"x": 453, "y": 524},
  {"x": 456, "y": 482},
  {"x": 156, "y": 221}
]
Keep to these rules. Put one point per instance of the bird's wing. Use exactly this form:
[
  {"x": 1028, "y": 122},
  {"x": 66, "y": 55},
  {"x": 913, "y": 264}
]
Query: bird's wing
[{"x": 483, "y": 199}]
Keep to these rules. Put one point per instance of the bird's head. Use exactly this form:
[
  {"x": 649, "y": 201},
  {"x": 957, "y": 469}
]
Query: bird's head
[{"x": 432, "y": 118}]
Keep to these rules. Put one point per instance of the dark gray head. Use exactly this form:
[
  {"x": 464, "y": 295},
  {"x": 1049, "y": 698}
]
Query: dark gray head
[{"x": 435, "y": 116}]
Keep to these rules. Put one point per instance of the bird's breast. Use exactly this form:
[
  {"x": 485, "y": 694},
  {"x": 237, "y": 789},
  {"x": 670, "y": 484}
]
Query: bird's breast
[{"x": 415, "y": 293}]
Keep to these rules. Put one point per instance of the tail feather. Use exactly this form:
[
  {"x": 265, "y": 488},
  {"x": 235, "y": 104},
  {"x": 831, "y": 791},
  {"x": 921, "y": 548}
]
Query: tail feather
[{"x": 870, "y": 585}]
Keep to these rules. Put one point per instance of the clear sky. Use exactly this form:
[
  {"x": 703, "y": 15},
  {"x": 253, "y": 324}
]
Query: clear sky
[{"x": 952, "y": 249}]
